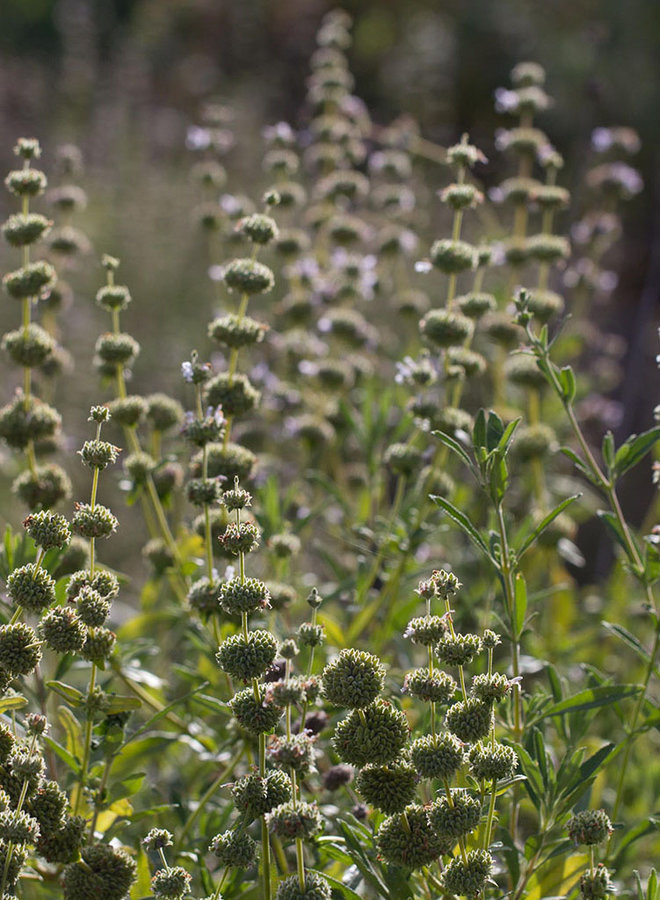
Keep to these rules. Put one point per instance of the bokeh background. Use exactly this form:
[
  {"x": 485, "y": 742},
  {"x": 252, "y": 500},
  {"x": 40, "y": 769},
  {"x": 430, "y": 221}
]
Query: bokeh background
[{"x": 125, "y": 79}]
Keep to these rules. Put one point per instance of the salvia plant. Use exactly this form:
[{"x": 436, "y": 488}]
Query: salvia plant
[{"x": 277, "y": 686}]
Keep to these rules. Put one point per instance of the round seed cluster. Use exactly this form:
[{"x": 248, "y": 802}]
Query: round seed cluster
[
  {"x": 458, "y": 649},
  {"x": 171, "y": 884},
  {"x": 430, "y": 687},
  {"x": 246, "y": 658},
  {"x": 492, "y": 762},
  {"x": 295, "y": 820},
  {"x": 256, "y": 716},
  {"x": 470, "y": 720},
  {"x": 316, "y": 888},
  {"x": 458, "y": 818},
  {"x": 48, "y": 530},
  {"x": 236, "y": 597},
  {"x": 467, "y": 879},
  {"x": 62, "y": 630},
  {"x": 93, "y": 522},
  {"x": 20, "y": 650},
  {"x": 234, "y": 848},
  {"x": 437, "y": 756},
  {"x": 353, "y": 680},
  {"x": 426, "y": 630},
  {"x": 248, "y": 276},
  {"x": 104, "y": 873},
  {"x": 413, "y": 844},
  {"x": 255, "y": 796},
  {"x": 376, "y": 734},
  {"x": 389, "y": 788},
  {"x": 31, "y": 587},
  {"x": 589, "y": 827}
]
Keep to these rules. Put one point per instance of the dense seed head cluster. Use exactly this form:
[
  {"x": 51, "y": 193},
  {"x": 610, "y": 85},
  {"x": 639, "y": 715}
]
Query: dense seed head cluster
[{"x": 353, "y": 680}]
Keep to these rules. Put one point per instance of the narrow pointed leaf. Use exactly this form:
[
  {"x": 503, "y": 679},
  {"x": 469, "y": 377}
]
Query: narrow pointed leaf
[
  {"x": 454, "y": 446},
  {"x": 545, "y": 522},
  {"x": 463, "y": 522}
]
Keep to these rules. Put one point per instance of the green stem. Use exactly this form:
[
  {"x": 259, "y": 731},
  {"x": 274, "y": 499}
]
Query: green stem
[
  {"x": 89, "y": 724},
  {"x": 491, "y": 815}
]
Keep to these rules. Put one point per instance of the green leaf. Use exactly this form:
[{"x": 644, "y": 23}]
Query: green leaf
[
  {"x": 454, "y": 446},
  {"x": 568, "y": 384},
  {"x": 519, "y": 603},
  {"x": 580, "y": 464},
  {"x": 494, "y": 431},
  {"x": 616, "y": 530},
  {"x": 464, "y": 524},
  {"x": 607, "y": 449},
  {"x": 507, "y": 436},
  {"x": 634, "y": 450},
  {"x": 63, "y": 754},
  {"x": 479, "y": 429},
  {"x": 12, "y": 703},
  {"x": 119, "y": 704},
  {"x": 591, "y": 699},
  {"x": 628, "y": 638},
  {"x": 590, "y": 766},
  {"x": 340, "y": 886},
  {"x": 72, "y": 695},
  {"x": 545, "y": 522}
]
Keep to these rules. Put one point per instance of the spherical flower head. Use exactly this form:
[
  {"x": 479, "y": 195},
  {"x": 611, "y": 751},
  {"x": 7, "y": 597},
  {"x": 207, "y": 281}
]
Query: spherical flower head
[
  {"x": 254, "y": 796},
  {"x": 171, "y": 884},
  {"x": 284, "y": 545},
  {"x": 353, "y": 680},
  {"x": 98, "y": 454},
  {"x": 7, "y": 742},
  {"x": 237, "y": 597},
  {"x": 31, "y": 587},
  {"x": 20, "y": 649},
  {"x": 157, "y": 839},
  {"x": 375, "y": 734},
  {"x": 458, "y": 649},
  {"x": 18, "y": 827},
  {"x": 234, "y": 848},
  {"x": 412, "y": 844},
  {"x": 92, "y": 608},
  {"x": 12, "y": 863},
  {"x": 104, "y": 583},
  {"x": 23, "y": 229},
  {"x": 596, "y": 885},
  {"x": 246, "y": 658},
  {"x": 260, "y": 229},
  {"x": 490, "y": 639},
  {"x": 293, "y": 754},
  {"x": 289, "y": 649},
  {"x": 295, "y": 820},
  {"x": 389, "y": 788},
  {"x": 316, "y": 888},
  {"x": 458, "y": 818},
  {"x": 446, "y": 583},
  {"x": 24, "y": 420},
  {"x": 248, "y": 276},
  {"x": 62, "y": 843},
  {"x": 522, "y": 370},
  {"x": 465, "y": 154},
  {"x": 445, "y": 329},
  {"x": 452, "y": 257},
  {"x": 403, "y": 459},
  {"x": 201, "y": 432},
  {"x": 549, "y": 248},
  {"x": 98, "y": 646},
  {"x": 589, "y": 827},
  {"x": 62, "y": 630},
  {"x": 468, "y": 878},
  {"x": 543, "y": 305},
  {"x": 26, "y": 182},
  {"x": 48, "y": 806},
  {"x": 337, "y": 776},
  {"x": 461, "y": 196},
  {"x": 128, "y": 411},
  {"x": 113, "y": 297},
  {"x": 236, "y": 332},
  {"x": 163, "y": 412},
  {"x": 117, "y": 349},
  {"x": 437, "y": 755},
  {"x": 470, "y": 720},
  {"x": 310, "y": 635},
  {"x": 287, "y": 693},
  {"x": 107, "y": 874},
  {"x": 255, "y": 716},
  {"x": 426, "y": 630},
  {"x": 492, "y": 762},
  {"x": 29, "y": 347},
  {"x": 28, "y": 148},
  {"x": 44, "y": 488},
  {"x": 431, "y": 687},
  {"x": 235, "y": 394},
  {"x": 240, "y": 538},
  {"x": 48, "y": 529},
  {"x": 93, "y": 522},
  {"x": 490, "y": 688}
]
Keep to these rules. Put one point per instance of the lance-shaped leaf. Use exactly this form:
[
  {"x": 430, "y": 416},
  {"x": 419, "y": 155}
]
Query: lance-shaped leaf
[{"x": 538, "y": 530}]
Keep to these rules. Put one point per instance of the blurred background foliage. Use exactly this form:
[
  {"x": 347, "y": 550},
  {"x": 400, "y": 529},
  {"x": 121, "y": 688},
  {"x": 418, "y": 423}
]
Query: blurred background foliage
[{"x": 125, "y": 79}]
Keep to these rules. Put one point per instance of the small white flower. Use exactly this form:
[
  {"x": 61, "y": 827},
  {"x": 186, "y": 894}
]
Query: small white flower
[{"x": 187, "y": 371}]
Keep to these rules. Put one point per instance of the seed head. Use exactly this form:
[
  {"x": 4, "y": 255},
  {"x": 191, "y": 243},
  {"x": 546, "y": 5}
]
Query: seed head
[
  {"x": 236, "y": 597},
  {"x": 254, "y": 796},
  {"x": 257, "y": 717},
  {"x": 437, "y": 756},
  {"x": 99, "y": 454},
  {"x": 31, "y": 280},
  {"x": 98, "y": 646},
  {"x": 93, "y": 522},
  {"x": 403, "y": 459},
  {"x": 375, "y": 734},
  {"x": 316, "y": 888},
  {"x": 291, "y": 821},
  {"x": 293, "y": 754},
  {"x": 163, "y": 412},
  {"x": 23, "y": 229},
  {"x": 105, "y": 583},
  {"x": 426, "y": 630},
  {"x": 18, "y": 827},
  {"x": 92, "y": 608},
  {"x": 248, "y": 277},
  {"x": 389, "y": 788},
  {"x": 413, "y": 846},
  {"x": 458, "y": 649},
  {"x": 31, "y": 587},
  {"x": 29, "y": 347},
  {"x": 128, "y": 411},
  {"x": 492, "y": 762},
  {"x": 117, "y": 349},
  {"x": 457, "y": 819},
  {"x": 596, "y": 885},
  {"x": 431, "y": 687},
  {"x": 48, "y": 806},
  {"x": 171, "y": 884},
  {"x": 234, "y": 848},
  {"x": 43, "y": 488},
  {"x": 247, "y": 658},
  {"x": 26, "y": 182},
  {"x": 337, "y": 776},
  {"x": 48, "y": 529},
  {"x": 235, "y": 395},
  {"x": 445, "y": 329},
  {"x": 62, "y": 630},
  {"x": 20, "y": 650},
  {"x": 353, "y": 680},
  {"x": 470, "y": 720},
  {"x": 104, "y": 873},
  {"x": 62, "y": 844},
  {"x": 467, "y": 879},
  {"x": 589, "y": 827},
  {"x": 235, "y": 332},
  {"x": 157, "y": 839}
]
